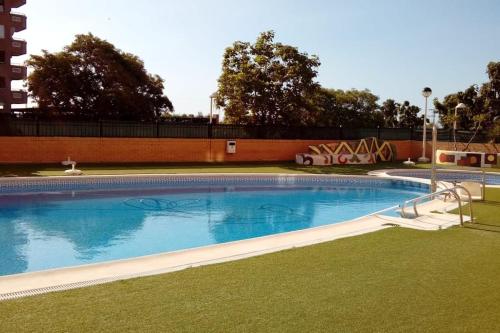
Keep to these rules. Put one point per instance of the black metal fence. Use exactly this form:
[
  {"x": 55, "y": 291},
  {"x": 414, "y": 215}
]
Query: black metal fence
[{"x": 41, "y": 128}]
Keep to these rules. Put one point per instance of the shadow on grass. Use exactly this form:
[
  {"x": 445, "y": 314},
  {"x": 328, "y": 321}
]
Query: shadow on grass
[
  {"x": 345, "y": 169},
  {"x": 26, "y": 170},
  {"x": 38, "y": 170},
  {"x": 490, "y": 203},
  {"x": 483, "y": 227}
]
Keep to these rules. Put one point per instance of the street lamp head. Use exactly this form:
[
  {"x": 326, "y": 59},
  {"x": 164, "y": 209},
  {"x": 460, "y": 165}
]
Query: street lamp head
[
  {"x": 214, "y": 95},
  {"x": 427, "y": 92},
  {"x": 460, "y": 106}
]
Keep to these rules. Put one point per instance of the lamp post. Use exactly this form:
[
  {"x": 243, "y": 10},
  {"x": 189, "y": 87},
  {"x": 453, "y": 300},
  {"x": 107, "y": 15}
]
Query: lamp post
[
  {"x": 459, "y": 107},
  {"x": 433, "y": 169},
  {"x": 212, "y": 101},
  {"x": 426, "y": 92}
]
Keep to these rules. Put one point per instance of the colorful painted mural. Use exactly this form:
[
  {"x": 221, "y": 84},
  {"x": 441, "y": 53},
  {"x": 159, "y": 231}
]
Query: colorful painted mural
[
  {"x": 470, "y": 159},
  {"x": 364, "y": 151}
]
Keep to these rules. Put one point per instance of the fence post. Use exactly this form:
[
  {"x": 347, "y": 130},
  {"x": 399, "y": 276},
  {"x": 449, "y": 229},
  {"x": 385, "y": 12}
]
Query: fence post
[
  {"x": 209, "y": 131},
  {"x": 341, "y": 133},
  {"x": 411, "y": 133},
  {"x": 37, "y": 126},
  {"x": 100, "y": 128},
  {"x": 157, "y": 129},
  {"x": 378, "y": 132}
]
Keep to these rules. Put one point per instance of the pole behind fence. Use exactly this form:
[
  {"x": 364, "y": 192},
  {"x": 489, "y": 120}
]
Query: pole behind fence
[{"x": 209, "y": 131}]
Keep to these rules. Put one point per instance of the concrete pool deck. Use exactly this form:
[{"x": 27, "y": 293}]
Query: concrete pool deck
[{"x": 29, "y": 284}]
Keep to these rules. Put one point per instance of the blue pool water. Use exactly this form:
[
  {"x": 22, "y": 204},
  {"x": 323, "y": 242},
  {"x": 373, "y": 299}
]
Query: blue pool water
[{"x": 41, "y": 231}]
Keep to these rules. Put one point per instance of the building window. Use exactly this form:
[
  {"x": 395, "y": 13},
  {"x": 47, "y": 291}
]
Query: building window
[
  {"x": 2, "y": 57},
  {"x": 2, "y": 31},
  {"x": 2, "y": 82}
]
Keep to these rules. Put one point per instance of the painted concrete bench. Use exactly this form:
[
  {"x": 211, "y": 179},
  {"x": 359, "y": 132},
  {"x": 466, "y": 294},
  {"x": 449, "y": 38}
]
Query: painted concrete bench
[
  {"x": 465, "y": 158},
  {"x": 364, "y": 151}
]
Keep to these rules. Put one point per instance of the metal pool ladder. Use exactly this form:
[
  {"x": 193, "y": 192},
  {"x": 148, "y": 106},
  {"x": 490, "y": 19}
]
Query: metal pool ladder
[{"x": 452, "y": 191}]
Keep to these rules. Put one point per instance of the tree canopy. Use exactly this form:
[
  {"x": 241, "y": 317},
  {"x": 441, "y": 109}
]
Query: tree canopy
[
  {"x": 482, "y": 104},
  {"x": 347, "y": 108},
  {"x": 91, "y": 79},
  {"x": 267, "y": 83}
]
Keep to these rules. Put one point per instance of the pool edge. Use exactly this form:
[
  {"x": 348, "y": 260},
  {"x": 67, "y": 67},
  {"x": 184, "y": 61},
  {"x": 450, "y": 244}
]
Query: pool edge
[
  {"x": 40, "y": 282},
  {"x": 36, "y": 283}
]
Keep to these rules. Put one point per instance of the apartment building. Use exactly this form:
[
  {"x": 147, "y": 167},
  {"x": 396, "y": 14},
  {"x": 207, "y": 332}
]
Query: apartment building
[{"x": 10, "y": 48}]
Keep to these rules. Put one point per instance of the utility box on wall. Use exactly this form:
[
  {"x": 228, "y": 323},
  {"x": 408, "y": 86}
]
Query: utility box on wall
[{"x": 231, "y": 147}]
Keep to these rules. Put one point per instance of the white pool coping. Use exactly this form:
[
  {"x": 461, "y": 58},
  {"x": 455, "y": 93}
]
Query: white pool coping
[
  {"x": 19, "y": 285},
  {"x": 386, "y": 173},
  {"x": 34, "y": 283}
]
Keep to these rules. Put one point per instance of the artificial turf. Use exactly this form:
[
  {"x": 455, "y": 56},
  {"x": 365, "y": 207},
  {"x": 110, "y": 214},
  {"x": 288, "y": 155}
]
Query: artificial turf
[
  {"x": 172, "y": 168},
  {"x": 395, "y": 280},
  {"x": 33, "y": 170}
]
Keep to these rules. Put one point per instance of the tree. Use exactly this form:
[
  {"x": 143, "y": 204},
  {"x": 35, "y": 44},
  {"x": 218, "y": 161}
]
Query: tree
[
  {"x": 347, "y": 108},
  {"x": 267, "y": 83},
  {"x": 482, "y": 102},
  {"x": 408, "y": 115},
  {"x": 390, "y": 111},
  {"x": 491, "y": 91},
  {"x": 91, "y": 79},
  {"x": 475, "y": 106}
]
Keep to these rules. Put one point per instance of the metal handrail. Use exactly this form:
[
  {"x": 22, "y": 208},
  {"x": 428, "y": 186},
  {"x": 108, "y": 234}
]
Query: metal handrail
[
  {"x": 470, "y": 201},
  {"x": 432, "y": 195},
  {"x": 385, "y": 210}
]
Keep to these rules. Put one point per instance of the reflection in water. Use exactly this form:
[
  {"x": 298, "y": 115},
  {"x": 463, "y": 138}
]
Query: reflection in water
[
  {"x": 186, "y": 208},
  {"x": 90, "y": 229},
  {"x": 62, "y": 229},
  {"x": 12, "y": 258},
  {"x": 259, "y": 220}
]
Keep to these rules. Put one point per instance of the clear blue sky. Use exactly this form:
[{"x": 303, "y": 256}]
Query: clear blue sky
[{"x": 394, "y": 48}]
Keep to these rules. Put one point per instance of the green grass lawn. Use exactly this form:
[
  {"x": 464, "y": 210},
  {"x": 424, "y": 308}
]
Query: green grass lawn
[
  {"x": 112, "y": 169},
  {"x": 119, "y": 169},
  {"x": 395, "y": 280}
]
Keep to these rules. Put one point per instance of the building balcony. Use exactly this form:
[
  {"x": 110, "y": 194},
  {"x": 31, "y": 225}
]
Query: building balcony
[
  {"x": 18, "y": 21},
  {"x": 18, "y": 72},
  {"x": 16, "y": 3},
  {"x": 18, "y": 47},
  {"x": 19, "y": 97},
  {"x": 5, "y": 96}
]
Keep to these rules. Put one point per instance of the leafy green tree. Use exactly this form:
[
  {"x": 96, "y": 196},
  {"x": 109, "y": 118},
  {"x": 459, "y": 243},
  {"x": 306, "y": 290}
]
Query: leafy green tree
[
  {"x": 482, "y": 102},
  {"x": 408, "y": 115},
  {"x": 347, "y": 108},
  {"x": 267, "y": 83},
  {"x": 91, "y": 79},
  {"x": 477, "y": 114},
  {"x": 390, "y": 111},
  {"x": 491, "y": 92}
]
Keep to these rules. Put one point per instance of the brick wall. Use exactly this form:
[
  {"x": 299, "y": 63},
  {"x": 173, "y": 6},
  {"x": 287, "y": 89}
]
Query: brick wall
[{"x": 109, "y": 150}]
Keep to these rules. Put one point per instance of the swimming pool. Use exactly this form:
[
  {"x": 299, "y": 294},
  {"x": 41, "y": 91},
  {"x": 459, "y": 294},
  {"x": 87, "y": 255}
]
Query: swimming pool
[{"x": 47, "y": 224}]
